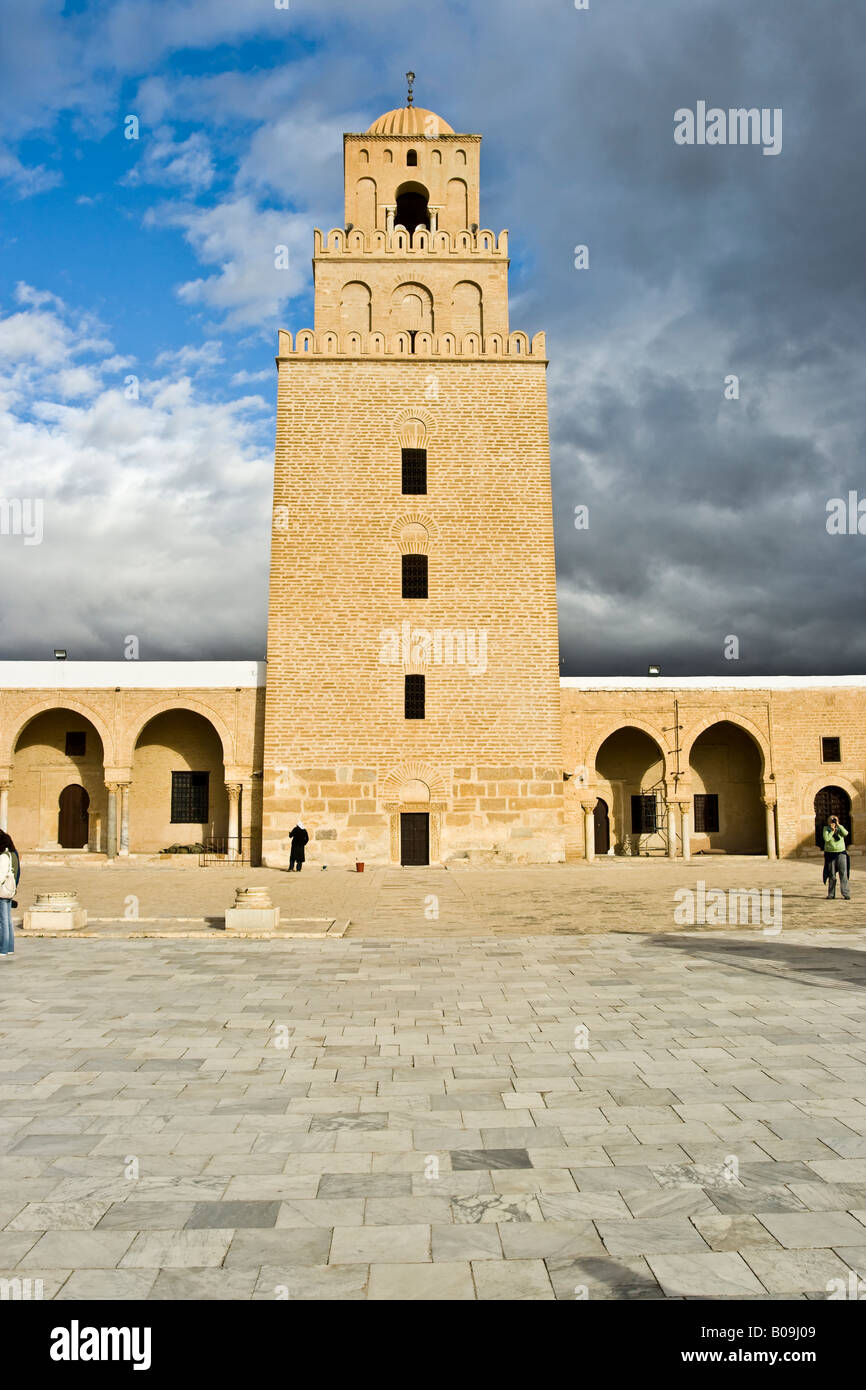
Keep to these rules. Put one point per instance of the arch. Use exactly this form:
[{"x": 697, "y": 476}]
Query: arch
[
  {"x": 436, "y": 157},
  {"x": 414, "y": 539},
  {"x": 726, "y": 766},
  {"x": 73, "y": 818},
  {"x": 388, "y": 156},
  {"x": 48, "y": 706},
  {"x": 471, "y": 345},
  {"x": 401, "y": 343},
  {"x": 463, "y": 241},
  {"x": 366, "y": 209},
  {"x": 412, "y": 427},
  {"x": 632, "y": 762},
  {"x": 413, "y": 206},
  {"x": 833, "y": 799},
  {"x": 726, "y": 717},
  {"x": 412, "y": 308},
  {"x": 412, "y": 158},
  {"x": 518, "y": 344},
  {"x": 460, "y": 157},
  {"x": 448, "y": 345},
  {"x": 354, "y": 343},
  {"x": 487, "y": 239},
  {"x": 336, "y": 240},
  {"x": 457, "y": 204},
  {"x": 467, "y": 311},
  {"x": 305, "y": 341},
  {"x": 442, "y": 241},
  {"x": 413, "y": 771},
  {"x": 356, "y": 240},
  {"x": 493, "y": 346},
  {"x": 377, "y": 342},
  {"x": 424, "y": 344},
  {"x": 421, "y": 239},
  {"x": 329, "y": 343},
  {"x": 655, "y": 734},
  {"x": 379, "y": 241},
  {"x": 363, "y": 156},
  {"x": 356, "y": 307},
  {"x": 194, "y": 707},
  {"x": 178, "y": 793},
  {"x": 414, "y": 790}
]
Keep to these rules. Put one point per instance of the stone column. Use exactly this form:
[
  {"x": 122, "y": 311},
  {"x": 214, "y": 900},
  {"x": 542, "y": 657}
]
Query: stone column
[
  {"x": 685, "y": 814},
  {"x": 588, "y": 830},
  {"x": 234, "y": 792},
  {"x": 434, "y": 220},
  {"x": 124, "y": 819},
  {"x": 4, "y": 805},
  {"x": 111, "y": 827},
  {"x": 389, "y": 219},
  {"x": 672, "y": 830},
  {"x": 770, "y": 809}
]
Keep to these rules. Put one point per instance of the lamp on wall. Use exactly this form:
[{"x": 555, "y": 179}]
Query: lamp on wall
[
  {"x": 654, "y": 671},
  {"x": 59, "y": 654}
]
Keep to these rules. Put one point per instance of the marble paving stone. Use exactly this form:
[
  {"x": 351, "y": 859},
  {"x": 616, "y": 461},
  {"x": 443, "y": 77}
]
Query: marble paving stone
[
  {"x": 795, "y": 1271},
  {"x": 122, "y": 1284},
  {"x": 459, "y": 1243},
  {"x": 544, "y": 1240},
  {"x": 59, "y": 1216},
  {"x": 650, "y": 1236},
  {"x": 468, "y": 1210},
  {"x": 298, "y": 1283},
  {"x": 346, "y": 1211},
  {"x": 717, "y": 1274},
  {"x": 380, "y": 1244},
  {"x": 444, "y": 1282},
  {"x": 142, "y": 1216},
  {"x": 191, "y": 1285},
  {"x": 407, "y": 1211},
  {"x": 512, "y": 1279},
  {"x": 77, "y": 1249},
  {"x": 177, "y": 1249},
  {"x": 732, "y": 1232},
  {"x": 223, "y": 1215},
  {"x": 812, "y": 1230},
  {"x": 600, "y": 1277}
]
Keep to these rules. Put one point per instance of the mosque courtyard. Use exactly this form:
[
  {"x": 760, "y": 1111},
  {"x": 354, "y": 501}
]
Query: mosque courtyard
[{"x": 492, "y": 1084}]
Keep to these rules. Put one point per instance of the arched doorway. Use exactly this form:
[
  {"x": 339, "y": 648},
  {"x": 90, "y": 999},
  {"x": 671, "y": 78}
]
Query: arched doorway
[
  {"x": 832, "y": 801},
  {"x": 412, "y": 207},
  {"x": 73, "y": 819},
  {"x": 630, "y": 766},
  {"x": 58, "y": 750},
  {"x": 728, "y": 816},
  {"x": 601, "y": 817},
  {"x": 178, "y": 794}
]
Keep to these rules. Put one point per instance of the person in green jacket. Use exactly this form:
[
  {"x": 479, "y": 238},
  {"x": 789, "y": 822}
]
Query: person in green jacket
[{"x": 835, "y": 857}]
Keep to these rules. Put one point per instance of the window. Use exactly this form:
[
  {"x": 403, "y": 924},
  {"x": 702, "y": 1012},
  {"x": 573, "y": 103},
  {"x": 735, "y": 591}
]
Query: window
[
  {"x": 189, "y": 798},
  {"x": 643, "y": 815},
  {"x": 414, "y": 576},
  {"x": 415, "y": 471},
  {"x": 413, "y": 699},
  {"x": 831, "y": 750},
  {"x": 707, "y": 814},
  {"x": 76, "y": 743},
  {"x": 412, "y": 157}
]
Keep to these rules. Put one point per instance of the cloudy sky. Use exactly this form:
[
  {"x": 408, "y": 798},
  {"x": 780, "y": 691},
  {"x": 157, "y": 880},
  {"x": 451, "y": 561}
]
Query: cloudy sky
[{"x": 150, "y": 261}]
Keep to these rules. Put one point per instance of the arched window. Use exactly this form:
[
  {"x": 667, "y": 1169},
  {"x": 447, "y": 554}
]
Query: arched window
[
  {"x": 412, "y": 158},
  {"x": 412, "y": 207}
]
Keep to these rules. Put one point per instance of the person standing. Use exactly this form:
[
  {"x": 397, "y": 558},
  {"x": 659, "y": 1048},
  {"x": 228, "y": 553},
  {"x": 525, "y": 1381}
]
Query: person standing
[
  {"x": 299, "y": 839},
  {"x": 10, "y": 872},
  {"x": 835, "y": 857}
]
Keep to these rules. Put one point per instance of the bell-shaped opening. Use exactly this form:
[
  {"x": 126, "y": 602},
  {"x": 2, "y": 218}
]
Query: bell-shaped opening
[{"x": 412, "y": 207}]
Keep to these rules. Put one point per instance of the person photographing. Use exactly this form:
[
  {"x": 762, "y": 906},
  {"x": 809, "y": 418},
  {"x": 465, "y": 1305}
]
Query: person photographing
[{"x": 836, "y": 859}]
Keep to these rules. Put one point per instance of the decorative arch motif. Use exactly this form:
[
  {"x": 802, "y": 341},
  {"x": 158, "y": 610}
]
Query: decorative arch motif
[
  {"x": 413, "y": 427},
  {"x": 620, "y": 727},
  {"x": 48, "y": 706},
  {"x": 726, "y": 717},
  {"x": 194, "y": 707},
  {"x": 413, "y": 771}
]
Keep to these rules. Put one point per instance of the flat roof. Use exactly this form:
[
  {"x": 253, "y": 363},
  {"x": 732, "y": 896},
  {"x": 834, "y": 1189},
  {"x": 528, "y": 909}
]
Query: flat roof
[
  {"x": 131, "y": 675},
  {"x": 709, "y": 682}
]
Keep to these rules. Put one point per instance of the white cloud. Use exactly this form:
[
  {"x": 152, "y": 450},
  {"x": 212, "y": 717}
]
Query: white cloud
[
  {"x": 243, "y": 241},
  {"x": 186, "y": 164}
]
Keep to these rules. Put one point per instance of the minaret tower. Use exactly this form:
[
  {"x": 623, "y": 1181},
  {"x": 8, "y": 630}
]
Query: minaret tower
[{"x": 413, "y": 708}]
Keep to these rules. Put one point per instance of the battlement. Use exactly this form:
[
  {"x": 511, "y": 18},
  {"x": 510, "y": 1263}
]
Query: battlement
[
  {"x": 513, "y": 347},
  {"x": 339, "y": 242}
]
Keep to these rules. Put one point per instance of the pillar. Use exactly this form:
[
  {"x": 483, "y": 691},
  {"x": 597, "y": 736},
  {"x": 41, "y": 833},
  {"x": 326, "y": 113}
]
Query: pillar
[
  {"x": 4, "y": 805},
  {"x": 111, "y": 828},
  {"x": 234, "y": 792},
  {"x": 389, "y": 219},
  {"x": 434, "y": 220},
  {"x": 124, "y": 819},
  {"x": 770, "y": 809},
  {"x": 685, "y": 813},
  {"x": 672, "y": 830},
  {"x": 588, "y": 830}
]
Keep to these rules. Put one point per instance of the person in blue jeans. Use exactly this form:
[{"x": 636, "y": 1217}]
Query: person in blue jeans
[
  {"x": 10, "y": 872},
  {"x": 835, "y": 857}
]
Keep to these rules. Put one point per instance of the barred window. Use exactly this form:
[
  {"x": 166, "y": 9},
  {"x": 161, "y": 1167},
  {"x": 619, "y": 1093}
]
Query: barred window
[
  {"x": 414, "y": 576},
  {"x": 643, "y": 815},
  {"x": 189, "y": 798},
  {"x": 707, "y": 813},
  {"x": 415, "y": 471},
  {"x": 414, "y": 697},
  {"x": 831, "y": 750},
  {"x": 76, "y": 743}
]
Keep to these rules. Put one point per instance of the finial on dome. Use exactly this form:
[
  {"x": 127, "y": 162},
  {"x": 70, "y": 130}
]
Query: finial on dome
[{"x": 410, "y": 78}]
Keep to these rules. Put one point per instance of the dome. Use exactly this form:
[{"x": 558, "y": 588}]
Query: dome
[{"x": 410, "y": 120}]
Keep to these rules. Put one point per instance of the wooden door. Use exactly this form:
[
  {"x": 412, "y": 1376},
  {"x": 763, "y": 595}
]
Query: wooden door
[
  {"x": 602, "y": 827},
  {"x": 414, "y": 837},
  {"x": 73, "y": 819},
  {"x": 832, "y": 801}
]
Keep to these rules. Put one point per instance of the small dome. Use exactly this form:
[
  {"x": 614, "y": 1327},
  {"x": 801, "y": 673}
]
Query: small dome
[{"x": 410, "y": 120}]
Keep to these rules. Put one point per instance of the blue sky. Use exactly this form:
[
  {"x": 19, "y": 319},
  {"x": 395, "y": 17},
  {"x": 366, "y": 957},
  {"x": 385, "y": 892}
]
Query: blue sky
[{"x": 154, "y": 258}]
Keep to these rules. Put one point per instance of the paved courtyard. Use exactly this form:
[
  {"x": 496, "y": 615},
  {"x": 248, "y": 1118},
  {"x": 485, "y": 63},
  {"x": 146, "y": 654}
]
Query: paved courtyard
[{"x": 612, "y": 1115}]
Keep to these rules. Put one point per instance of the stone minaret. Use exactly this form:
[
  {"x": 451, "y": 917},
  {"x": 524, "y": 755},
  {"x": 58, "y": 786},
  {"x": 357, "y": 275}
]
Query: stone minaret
[{"x": 413, "y": 707}]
